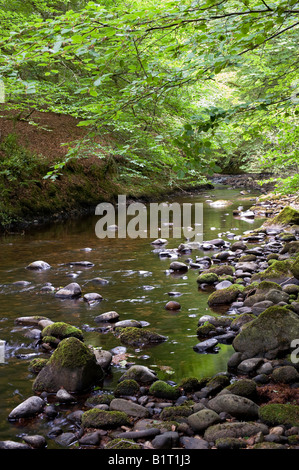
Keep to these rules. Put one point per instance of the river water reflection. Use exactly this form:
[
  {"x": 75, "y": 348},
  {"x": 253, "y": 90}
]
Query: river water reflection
[{"x": 138, "y": 287}]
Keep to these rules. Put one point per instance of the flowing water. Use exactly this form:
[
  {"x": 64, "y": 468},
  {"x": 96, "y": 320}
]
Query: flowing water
[{"x": 138, "y": 287}]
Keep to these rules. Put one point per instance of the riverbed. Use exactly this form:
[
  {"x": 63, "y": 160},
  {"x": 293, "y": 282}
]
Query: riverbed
[{"x": 138, "y": 285}]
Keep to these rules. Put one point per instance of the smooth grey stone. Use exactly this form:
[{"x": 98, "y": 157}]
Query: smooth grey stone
[{"x": 30, "y": 407}]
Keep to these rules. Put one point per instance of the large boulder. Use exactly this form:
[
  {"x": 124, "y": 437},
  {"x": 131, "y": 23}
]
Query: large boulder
[
  {"x": 224, "y": 296},
  {"x": 72, "y": 366},
  {"x": 278, "y": 271},
  {"x": 269, "y": 335},
  {"x": 235, "y": 405}
]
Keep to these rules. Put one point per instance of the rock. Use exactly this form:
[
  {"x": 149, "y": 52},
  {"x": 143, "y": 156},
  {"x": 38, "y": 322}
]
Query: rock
[
  {"x": 66, "y": 439},
  {"x": 146, "y": 433},
  {"x": 167, "y": 440},
  {"x": 159, "y": 241},
  {"x": 238, "y": 406},
  {"x": 139, "y": 337},
  {"x": 202, "y": 419},
  {"x": 103, "y": 358},
  {"x": 233, "y": 429},
  {"x": 193, "y": 443},
  {"x": 223, "y": 285},
  {"x": 92, "y": 297},
  {"x": 239, "y": 245},
  {"x": 243, "y": 387},
  {"x": 285, "y": 374},
  {"x": 30, "y": 407},
  {"x": 62, "y": 330},
  {"x": 36, "y": 441},
  {"x": 224, "y": 296},
  {"x": 71, "y": 290},
  {"x": 64, "y": 397},
  {"x": 111, "y": 316},
  {"x": 72, "y": 366},
  {"x": 141, "y": 374},
  {"x": 13, "y": 445},
  {"x": 278, "y": 271},
  {"x": 260, "y": 307},
  {"x": 248, "y": 366},
  {"x": 207, "y": 278},
  {"x": 101, "y": 419},
  {"x": 172, "y": 305},
  {"x": 130, "y": 408},
  {"x": 205, "y": 346},
  {"x": 161, "y": 389},
  {"x": 249, "y": 266},
  {"x": 270, "y": 334},
  {"x": 82, "y": 264},
  {"x": 128, "y": 324},
  {"x": 275, "y": 414},
  {"x": 38, "y": 266},
  {"x": 99, "y": 280},
  {"x": 90, "y": 439},
  {"x": 178, "y": 266},
  {"x": 30, "y": 320}
]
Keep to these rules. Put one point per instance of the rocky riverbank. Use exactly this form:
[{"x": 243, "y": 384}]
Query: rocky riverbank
[{"x": 254, "y": 404}]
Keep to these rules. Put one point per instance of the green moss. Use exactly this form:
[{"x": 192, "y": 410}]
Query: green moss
[
  {"x": 248, "y": 258},
  {"x": 288, "y": 216},
  {"x": 127, "y": 387},
  {"x": 71, "y": 352},
  {"x": 225, "y": 296},
  {"x": 104, "y": 399},
  {"x": 205, "y": 330},
  {"x": 190, "y": 384},
  {"x": 62, "y": 330},
  {"x": 138, "y": 336},
  {"x": 122, "y": 444},
  {"x": 274, "y": 414},
  {"x": 221, "y": 270},
  {"x": 101, "y": 419},
  {"x": 268, "y": 285},
  {"x": 243, "y": 388},
  {"x": 207, "y": 278},
  {"x": 174, "y": 413},
  {"x": 295, "y": 268},
  {"x": 218, "y": 382},
  {"x": 36, "y": 365},
  {"x": 161, "y": 389}
]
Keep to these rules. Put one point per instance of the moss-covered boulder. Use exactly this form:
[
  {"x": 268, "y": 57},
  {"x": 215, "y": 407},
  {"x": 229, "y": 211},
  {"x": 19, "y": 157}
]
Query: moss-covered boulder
[
  {"x": 243, "y": 387},
  {"x": 101, "y": 419},
  {"x": 72, "y": 366},
  {"x": 190, "y": 384},
  {"x": 61, "y": 330},
  {"x": 221, "y": 270},
  {"x": 278, "y": 271},
  {"x": 161, "y": 389},
  {"x": 175, "y": 413},
  {"x": 275, "y": 414},
  {"x": 269, "y": 335},
  {"x": 37, "y": 364},
  {"x": 224, "y": 296},
  {"x": 207, "y": 329},
  {"x": 290, "y": 247},
  {"x": 207, "y": 278},
  {"x": 139, "y": 337},
  {"x": 126, "y": 388}
]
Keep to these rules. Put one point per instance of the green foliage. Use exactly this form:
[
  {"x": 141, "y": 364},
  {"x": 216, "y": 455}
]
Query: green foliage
[{"x": 190, "y": 87}]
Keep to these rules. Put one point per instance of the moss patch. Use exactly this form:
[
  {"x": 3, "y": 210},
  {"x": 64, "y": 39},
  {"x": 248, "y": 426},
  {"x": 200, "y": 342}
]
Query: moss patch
[
  {"x": 225, "y": 296},
  {"x": 161, "y": 389},
  {"x": 274, "y": 414},
  {"x": 101, "y": 419},
  {"x": 62, "y": 330}
]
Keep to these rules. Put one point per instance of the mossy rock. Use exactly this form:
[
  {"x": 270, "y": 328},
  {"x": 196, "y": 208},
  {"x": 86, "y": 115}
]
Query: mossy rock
[
  {"x": 225, "y": 443},
  {"x": 72, "y": 366},
  {"x": 243, "y": 387},
  {"x": 175, "y": 413},
  {"x": 95, "y": 400},
  {"x": 207, "y": 278},
  {"x": 269, "y": 335},
  {"x": 218, "y": 382},
  {"x": 275, "y": 414},
  {"x": 101, "y": 419},
  {"x": 37, "y": 364},
  {"x": 161, "y": 389},
  {"x": 190, "y": 384},
  {"x": 268, "y": 445},
  {"x": 138, "y": 337},
  {"x": 288, "y": 216},
  {"x": 278, "y": 271},
  {"x": 295, "y": 268},
  {"x": 247, "y": 258},
  {"x": 220, "y": 270},
  {"x": 122, "y": 444},
  {"x": 205, "y": 330},
  {"x": 62, "y": 330},
  {"x": 290, "y": 247},
  {"x": 241, "y": 320},
  {"x": 268, "y": 285},
  {"x": 126, "y": 388},
  {"x": 224, "y": 296}
]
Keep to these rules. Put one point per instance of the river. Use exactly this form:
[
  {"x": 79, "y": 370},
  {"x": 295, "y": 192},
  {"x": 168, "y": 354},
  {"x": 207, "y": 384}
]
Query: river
[{"x": 138, "y": 285}]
